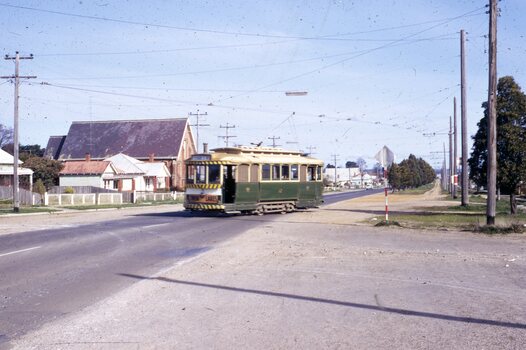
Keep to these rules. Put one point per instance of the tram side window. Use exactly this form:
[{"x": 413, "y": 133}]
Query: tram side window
[
  {"x": 265, "y": 172},
  {"x": 318, "y": 173},
  {"x": 311, "y": 173},
  {"x": 200, "y": 174},
  {"x": 242, "y": 173},
  {"x": 254, "y": 169},
  {"x": 214, "y": 173},
  {"x": 275, "y": 172},
  {"x": 294, "y": 171},
  {"x": 285, "y": 172},
  {"x": 190, "y": 174}
]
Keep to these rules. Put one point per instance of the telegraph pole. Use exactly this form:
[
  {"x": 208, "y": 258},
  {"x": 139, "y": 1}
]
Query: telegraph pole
[
  {"x": 197, "y": 125},
  {"x": 227, "y": 137},
  {"x": 455, "y": 133},
  {"x": 335, "y": 158},
  {"x": 492, "y": 116},
  {"x": 450, "y": 178},
  {"x": 463, "y": 124},
  {"x": 310, "y": 148},
  {"x": 16, "y": 77},
  {"x": 274, "y": 138}
]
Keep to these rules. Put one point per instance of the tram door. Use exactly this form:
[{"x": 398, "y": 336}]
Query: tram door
[{"x": 229, "y": 182}]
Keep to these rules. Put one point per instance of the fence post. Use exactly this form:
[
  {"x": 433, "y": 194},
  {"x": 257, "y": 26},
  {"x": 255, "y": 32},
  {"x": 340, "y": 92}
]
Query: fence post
[{"x": 46, "y": 199}]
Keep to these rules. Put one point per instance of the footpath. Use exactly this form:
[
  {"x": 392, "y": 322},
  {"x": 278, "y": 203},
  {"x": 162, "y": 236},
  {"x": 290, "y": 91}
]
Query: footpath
[{"x": 320, "y": 279}]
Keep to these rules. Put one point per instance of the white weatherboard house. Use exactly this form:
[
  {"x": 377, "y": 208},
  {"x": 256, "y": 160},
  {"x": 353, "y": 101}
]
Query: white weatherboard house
[
  {"x": 7, "y": 171},
  {"x": 94, "y": 173},
  {"x": 136, "y": 175}
]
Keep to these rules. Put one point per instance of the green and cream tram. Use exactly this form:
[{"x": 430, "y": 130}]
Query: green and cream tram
[{"x": 253, "y": 180}]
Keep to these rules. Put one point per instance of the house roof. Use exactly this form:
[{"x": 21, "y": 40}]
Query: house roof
[
  {"x": 54, "y": 146},
  {"x": 154, "y": 169},
  {"x": 93, "y": 167},
  {"x": 6, "y": 158},
  {"x": 126, "y": 164},
  {"x": 136, "y": 138}
]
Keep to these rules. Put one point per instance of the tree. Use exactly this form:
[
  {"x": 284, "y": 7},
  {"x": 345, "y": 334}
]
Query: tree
[
  {"x": 28, "y": 151},
  {"x": 351, "y": 164},
  {"x": 411, "y": 172},
  {"x": 44, "y": 169},
  {"x": 361, "y": 164},
  {"x": 330, "y": 166},
  {"x": 6, "y": 135},
  {"x": 511, "y": 141}
]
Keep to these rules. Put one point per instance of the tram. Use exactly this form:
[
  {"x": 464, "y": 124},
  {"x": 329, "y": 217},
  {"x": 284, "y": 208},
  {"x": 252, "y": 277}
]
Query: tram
[{"x": 254, "y": 180}]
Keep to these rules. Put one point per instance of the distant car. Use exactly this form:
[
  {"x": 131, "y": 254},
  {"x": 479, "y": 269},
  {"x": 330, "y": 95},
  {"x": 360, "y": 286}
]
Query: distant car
[{"x": 369, "y": 187}]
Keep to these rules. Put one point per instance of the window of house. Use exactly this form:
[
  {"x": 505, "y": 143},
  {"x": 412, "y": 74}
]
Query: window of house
[
  {"x": 265, "y": 172},
  {"x": 294, "y": 173}
]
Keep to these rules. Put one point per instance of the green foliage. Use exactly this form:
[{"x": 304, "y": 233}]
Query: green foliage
[
  {"x": 69, "y": 190},
  {"x": 410, "y": 173},
  {"x": 44, "y": 169},
  {"x": 29, "y": 151},
  {"x": 511, "y": 140},
  {"x": 351, "y": 164},
  {"x": 38, "y": 187}
]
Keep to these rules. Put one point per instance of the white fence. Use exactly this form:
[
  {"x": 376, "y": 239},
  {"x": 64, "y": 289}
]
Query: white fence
[
  {"x": 64, "y": 199},
  {"x": 154, "y": 197}
]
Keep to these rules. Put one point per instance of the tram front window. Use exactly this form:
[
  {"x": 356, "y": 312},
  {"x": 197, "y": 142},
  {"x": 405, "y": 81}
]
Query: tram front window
[
  {"x": 214, "y": 174},
  {"x": 200, "y": 174}
]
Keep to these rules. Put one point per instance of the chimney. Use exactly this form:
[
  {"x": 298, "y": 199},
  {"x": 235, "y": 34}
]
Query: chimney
[
  {"x": 151, "y": 159},
  {"x": 205, "y": 147},
  {"x": 88, "y": 157}
]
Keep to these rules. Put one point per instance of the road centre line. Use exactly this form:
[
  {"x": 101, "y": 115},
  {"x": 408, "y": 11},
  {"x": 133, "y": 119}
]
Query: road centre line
[{"x": 19, "y": 251}]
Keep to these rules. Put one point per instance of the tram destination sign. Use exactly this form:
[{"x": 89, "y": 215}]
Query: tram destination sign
[{"x": 201, "y": 157}]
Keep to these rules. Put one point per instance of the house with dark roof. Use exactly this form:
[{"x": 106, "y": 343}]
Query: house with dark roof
[{"x": 167, "y": 140}]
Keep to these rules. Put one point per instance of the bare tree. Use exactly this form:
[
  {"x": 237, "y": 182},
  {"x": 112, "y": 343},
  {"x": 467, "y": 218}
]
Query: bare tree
[{"x": 6, "y": 135}]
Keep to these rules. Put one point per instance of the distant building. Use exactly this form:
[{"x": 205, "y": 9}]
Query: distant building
[
  {"x": 343, "y": 175},
  {"x": 167, "y": 140}
]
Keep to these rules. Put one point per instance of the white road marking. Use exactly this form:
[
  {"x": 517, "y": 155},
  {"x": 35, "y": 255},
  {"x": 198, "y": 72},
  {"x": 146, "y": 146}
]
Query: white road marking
[{"x": 19, "y": 251}]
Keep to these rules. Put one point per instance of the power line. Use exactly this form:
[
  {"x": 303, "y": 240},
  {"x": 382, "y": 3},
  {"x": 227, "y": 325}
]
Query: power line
[
  {"x": 274, "y": 138},
  {"x": 213, "y": 31}
]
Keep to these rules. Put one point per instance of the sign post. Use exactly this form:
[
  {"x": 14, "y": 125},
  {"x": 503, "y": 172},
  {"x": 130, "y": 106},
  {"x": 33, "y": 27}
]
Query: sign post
[{"x": 385, "y": 157}]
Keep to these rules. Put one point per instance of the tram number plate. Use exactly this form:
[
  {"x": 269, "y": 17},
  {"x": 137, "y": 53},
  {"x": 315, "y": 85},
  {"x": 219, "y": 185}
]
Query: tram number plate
[{"x": 203, "y": 198}]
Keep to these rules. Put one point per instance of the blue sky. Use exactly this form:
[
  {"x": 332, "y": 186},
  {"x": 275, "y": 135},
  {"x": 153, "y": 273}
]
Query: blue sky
[{"x": 375, "y": 72}]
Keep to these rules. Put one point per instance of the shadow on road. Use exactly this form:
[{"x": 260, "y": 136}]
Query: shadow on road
[
  {"x": 337, "y": 302},
  {"x": 405, "y": 212}
]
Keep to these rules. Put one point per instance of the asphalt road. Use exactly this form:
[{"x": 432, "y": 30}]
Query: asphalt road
[{"x": 50, "y": 273}]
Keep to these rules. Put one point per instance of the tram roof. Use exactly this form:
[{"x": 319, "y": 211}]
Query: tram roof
[{"x": 251, "y": 155}]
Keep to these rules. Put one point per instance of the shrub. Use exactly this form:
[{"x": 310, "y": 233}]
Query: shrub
[{"x": 69, "y": 190}]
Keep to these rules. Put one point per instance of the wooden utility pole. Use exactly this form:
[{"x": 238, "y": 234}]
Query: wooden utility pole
[
  {"x": 197, "y": 125},
  {"x": 455, "y": 156},
  {"x": 227, "y": 137},
  {"x": 492, "y": 116},
  {"x": 450, "y": 177},
  {"x": 16, "y": 77},
  {"x": 274, "y": 138},
  {"x": 335, "y": 158},
  {"x": 463, "y": 123},
  {"x": 311, "y": 148}
]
